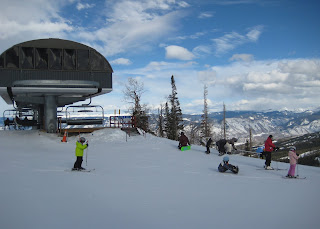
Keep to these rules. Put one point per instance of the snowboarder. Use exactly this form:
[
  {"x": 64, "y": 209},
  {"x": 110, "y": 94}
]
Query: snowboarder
[
  {"x": 268, "y": 148},
  {"x": 183, "y": 141},
  {"x": 293, "y": 156},
  {"x": 220, "y": 145},
  {"x": 81, "y": 144},
  {"x": 208, "y": 145},
  {"x": 224, "y": 166},
  {"x": 223, "y": 147}
]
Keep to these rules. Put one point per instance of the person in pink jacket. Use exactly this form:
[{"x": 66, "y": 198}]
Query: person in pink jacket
[{"x": 293, "y": 161}]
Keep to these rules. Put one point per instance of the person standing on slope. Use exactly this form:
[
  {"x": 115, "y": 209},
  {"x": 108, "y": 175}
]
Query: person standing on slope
[
  {"x": 183, "y": 140},
  {"x": 269, "y": 147},
  {"x": 80, "y": 146},
  {"x": 293, "y": 156},
  {"x": 208, "y": 145}
]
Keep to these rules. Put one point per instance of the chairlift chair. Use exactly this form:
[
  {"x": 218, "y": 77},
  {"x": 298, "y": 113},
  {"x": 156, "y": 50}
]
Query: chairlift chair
[{"x": 96, "y": 117}]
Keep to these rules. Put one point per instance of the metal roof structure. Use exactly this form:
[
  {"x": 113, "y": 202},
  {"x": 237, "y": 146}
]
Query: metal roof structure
[{"x": 48, "y": 73}]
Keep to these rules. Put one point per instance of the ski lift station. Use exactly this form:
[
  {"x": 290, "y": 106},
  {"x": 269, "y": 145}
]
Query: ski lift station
[{"x": 37, "y": 77}]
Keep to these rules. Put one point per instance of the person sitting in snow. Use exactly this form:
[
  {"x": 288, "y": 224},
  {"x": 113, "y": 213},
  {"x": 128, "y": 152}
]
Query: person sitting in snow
[
  {"x": 293, "y": 156},
  {"x": 80, "y": 146},
  {"x": 224, "y": 166},
  {"x": 183, "y": 141}
]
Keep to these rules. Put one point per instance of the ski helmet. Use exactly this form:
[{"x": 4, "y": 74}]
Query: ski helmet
[
  {"x": 226, "y": 159},
  {"x": 82, "y": 139}
]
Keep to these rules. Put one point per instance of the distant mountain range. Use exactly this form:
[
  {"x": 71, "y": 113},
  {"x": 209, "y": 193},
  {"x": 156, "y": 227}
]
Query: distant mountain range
[{"x": 281, "y": 124}]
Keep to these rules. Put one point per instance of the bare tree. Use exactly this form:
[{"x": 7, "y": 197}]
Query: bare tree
[
  {"x": 132, "y": 94},
  {"x": 160, "y": 121},
  {"x": 206, "y": 124},
  {"x": 194, "y": 132}
]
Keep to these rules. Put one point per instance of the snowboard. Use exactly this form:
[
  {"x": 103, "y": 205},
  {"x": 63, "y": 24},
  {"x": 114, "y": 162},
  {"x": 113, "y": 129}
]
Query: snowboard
[
  {"x": 80, "y": 171},
  {"x": 184, "y": 148},
  {"x": 234, "y": 169}
]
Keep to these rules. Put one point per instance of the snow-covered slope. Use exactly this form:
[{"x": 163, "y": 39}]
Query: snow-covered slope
[{"x": 145, "y": 182}]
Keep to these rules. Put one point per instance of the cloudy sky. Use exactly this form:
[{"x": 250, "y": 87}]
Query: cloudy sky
[{"x": 252, "y": 54}]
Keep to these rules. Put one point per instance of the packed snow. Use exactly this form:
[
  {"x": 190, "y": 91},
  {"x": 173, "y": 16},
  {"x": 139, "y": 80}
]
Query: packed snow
[{"x": 145, "y": 182}]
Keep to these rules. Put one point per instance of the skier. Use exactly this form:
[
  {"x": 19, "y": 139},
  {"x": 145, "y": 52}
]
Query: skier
[
  {"x": 224, "y": 166},
  {"x": 293, "y": 162},
  {"x": 183, "y": 141},
  {"x": 268, "y": 148},
  {"x": 208, "y": 145},
  {"x": 81, "y": 144}
]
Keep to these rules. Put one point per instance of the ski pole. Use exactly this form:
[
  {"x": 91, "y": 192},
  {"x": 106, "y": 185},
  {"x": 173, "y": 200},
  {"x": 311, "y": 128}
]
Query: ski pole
[{"x": 87, "y": 155}]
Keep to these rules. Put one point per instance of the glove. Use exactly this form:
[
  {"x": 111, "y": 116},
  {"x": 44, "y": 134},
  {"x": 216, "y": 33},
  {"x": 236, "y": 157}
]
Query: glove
[{"x": 297, "y": 154}]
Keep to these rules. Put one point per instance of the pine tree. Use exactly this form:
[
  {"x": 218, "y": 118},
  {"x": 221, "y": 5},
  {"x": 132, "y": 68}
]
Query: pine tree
[
  {"x": 205, "y": 123},
  {"x": 174, "y": 120}
]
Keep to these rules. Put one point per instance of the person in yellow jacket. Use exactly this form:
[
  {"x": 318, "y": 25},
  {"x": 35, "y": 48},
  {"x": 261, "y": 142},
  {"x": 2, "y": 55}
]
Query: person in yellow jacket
[{"x": 80, "y": 146}]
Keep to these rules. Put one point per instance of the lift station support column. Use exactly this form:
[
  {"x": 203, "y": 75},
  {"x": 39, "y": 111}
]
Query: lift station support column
[{"x": 50, "y": 113}]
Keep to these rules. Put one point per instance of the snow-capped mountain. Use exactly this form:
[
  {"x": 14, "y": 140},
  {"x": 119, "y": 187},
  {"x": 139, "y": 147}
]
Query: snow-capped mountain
[{"x": 281, "y": 124}]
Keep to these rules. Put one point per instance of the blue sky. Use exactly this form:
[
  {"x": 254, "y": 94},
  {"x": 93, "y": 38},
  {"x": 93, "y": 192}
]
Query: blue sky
[{"x": 252, "y": 54}]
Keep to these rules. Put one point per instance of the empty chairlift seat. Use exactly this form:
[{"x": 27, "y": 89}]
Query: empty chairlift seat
[{"x": 85, "y": 115}]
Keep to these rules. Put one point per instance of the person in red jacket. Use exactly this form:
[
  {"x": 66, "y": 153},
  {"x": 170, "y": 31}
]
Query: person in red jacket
[{"x": 268, "y": 148}]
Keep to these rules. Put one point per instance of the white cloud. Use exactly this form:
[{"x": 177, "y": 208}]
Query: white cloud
[
  {"x": 242, "y": 57},
  {"x": 121, "y": 61},
  {"x": 178, "y": 52},
  {"x": 207, "y": 77},
  {"x": 27, "y": 20},
  {"x": 232, "y": 40},
  {"x": 136, "y": 25},
  {"x": 206, "y": 15},
  {"x": 254, "y": 33},
  {"x": 81, "y": 6}
]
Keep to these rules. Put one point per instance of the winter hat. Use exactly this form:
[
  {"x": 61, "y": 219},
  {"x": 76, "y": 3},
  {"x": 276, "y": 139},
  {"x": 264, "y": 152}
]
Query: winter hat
[
  {"x": 226, "y": 159},
  {"x": 293, "y": 148},
  {"x": 82, "y": 139}
]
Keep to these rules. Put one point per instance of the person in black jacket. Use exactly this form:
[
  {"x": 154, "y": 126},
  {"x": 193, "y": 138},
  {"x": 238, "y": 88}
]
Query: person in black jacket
[
  {"x": 220, "y": 144},
  {"x": 224, "y": 166},
  {"x": 208, "y": 145}
]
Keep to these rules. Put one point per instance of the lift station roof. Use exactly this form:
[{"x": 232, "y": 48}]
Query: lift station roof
[{"x": 67, "y": 70}]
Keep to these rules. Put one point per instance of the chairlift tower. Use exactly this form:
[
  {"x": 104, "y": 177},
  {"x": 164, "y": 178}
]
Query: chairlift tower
[{"x": 49, "y": 73}]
